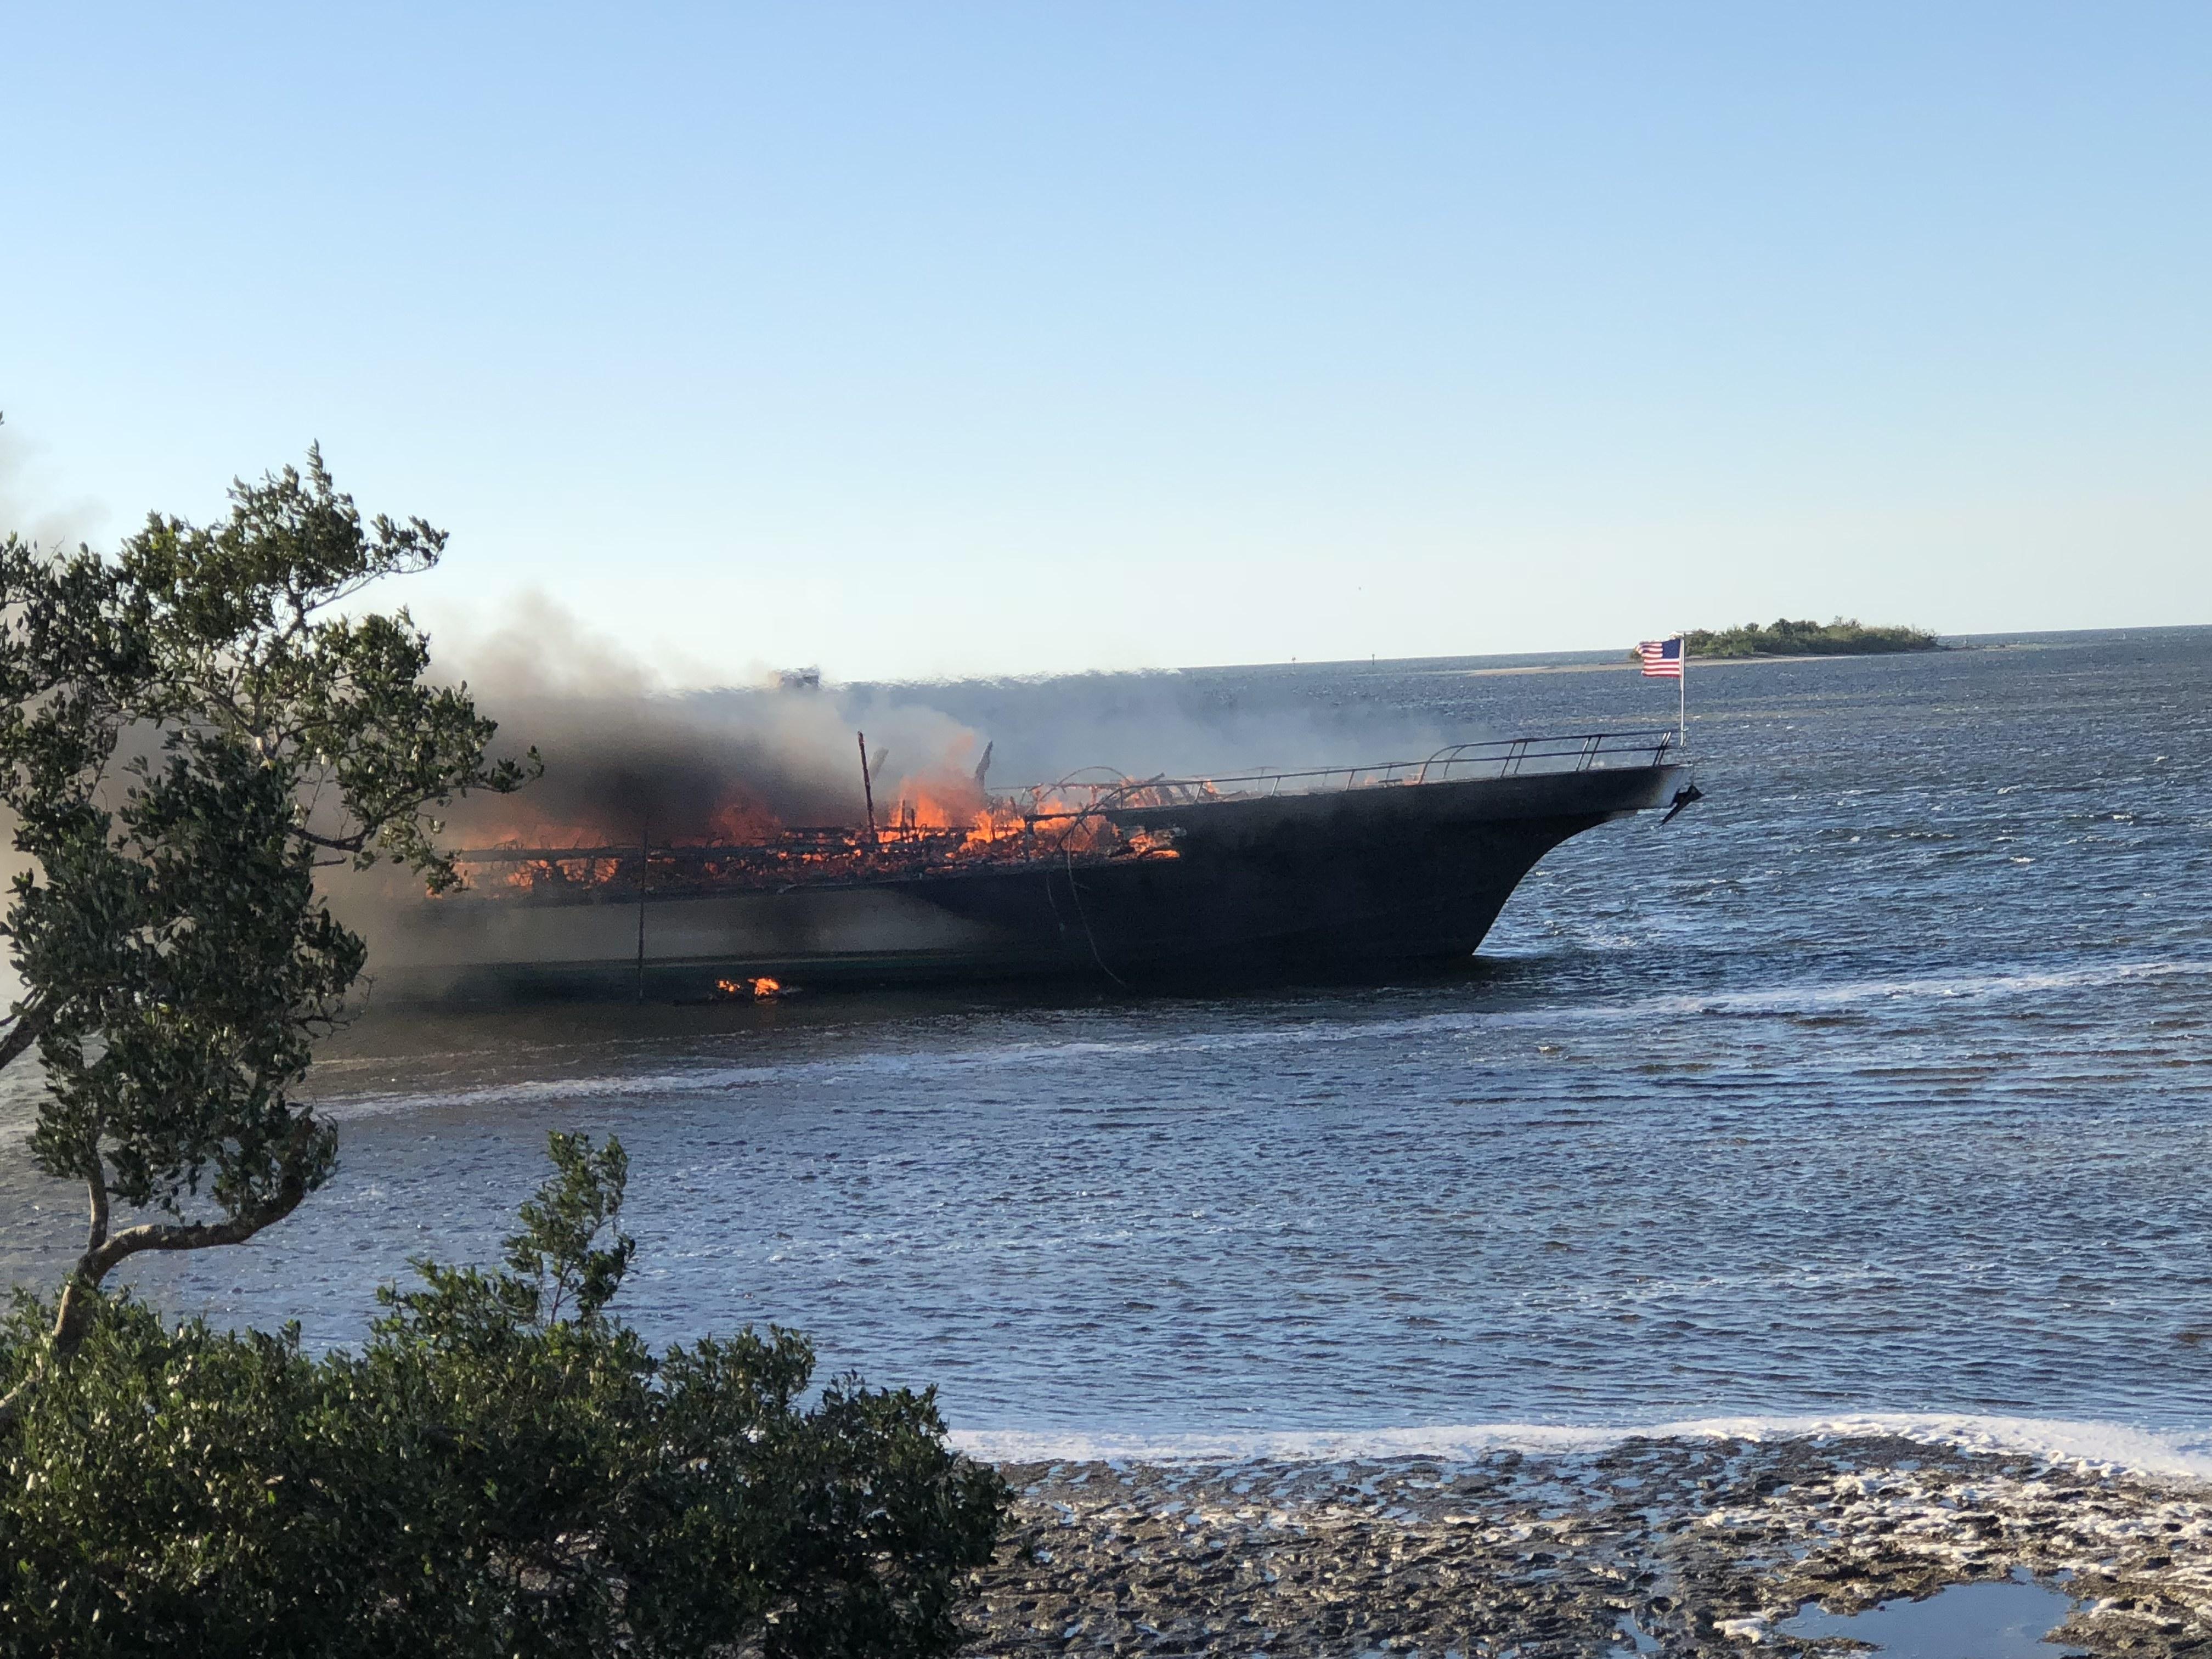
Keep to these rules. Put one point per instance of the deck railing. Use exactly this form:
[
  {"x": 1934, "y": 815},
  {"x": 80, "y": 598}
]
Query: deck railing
[{"x": 1458, "y": 762}]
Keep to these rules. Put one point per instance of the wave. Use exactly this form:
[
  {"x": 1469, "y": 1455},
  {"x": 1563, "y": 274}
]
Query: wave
[
  {"x": 2116, "y": 1448},
  {"x": 1781, "y": 1001}
]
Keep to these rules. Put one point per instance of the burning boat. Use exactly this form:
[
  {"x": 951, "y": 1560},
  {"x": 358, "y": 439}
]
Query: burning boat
[{"x": 1265, "y": 876}]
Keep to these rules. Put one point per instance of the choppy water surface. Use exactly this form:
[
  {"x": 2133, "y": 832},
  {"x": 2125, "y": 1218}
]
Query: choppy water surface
[{"x": 1876, "y": 1082}]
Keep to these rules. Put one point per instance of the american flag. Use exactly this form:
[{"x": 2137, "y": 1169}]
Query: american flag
[{"x": 1662, "y": 659}]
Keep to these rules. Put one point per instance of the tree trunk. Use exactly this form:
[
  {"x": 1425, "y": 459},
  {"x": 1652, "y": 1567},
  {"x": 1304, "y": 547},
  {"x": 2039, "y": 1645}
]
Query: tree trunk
[
  {"x": 73, "y": 1318},
  {"x": 103, "y": 1253}
]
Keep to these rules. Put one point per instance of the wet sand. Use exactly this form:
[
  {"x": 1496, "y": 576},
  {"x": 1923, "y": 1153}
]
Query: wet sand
[{"x": 1690, "y": 1547}]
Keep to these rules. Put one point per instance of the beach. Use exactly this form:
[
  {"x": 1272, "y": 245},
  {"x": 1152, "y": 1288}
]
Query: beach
[{"x": 1687, "y": 1546}]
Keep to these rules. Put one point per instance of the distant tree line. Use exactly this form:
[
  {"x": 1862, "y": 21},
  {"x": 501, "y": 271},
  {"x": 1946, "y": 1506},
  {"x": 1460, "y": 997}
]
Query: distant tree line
[{"x": 1845, "y": 636}]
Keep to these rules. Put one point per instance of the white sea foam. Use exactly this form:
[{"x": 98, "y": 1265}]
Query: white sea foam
[{"x": 2116, "y": 1447}]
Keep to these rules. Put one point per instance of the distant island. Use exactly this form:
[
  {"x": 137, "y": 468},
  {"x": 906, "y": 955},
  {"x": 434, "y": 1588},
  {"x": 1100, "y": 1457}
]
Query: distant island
[{"x": 1843, "y": 637}]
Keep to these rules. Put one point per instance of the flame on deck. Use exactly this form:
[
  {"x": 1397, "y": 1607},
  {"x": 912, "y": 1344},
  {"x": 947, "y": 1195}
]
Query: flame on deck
[{"x": 930, "y": 827}]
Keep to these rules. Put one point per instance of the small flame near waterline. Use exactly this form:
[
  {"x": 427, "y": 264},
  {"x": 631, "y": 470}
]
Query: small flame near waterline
[{"x": 763, "y": 989}]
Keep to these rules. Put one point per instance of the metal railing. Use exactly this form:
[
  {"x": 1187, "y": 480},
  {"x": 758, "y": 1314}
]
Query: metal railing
[
  {"x": 1581, "y": 751},
  {"x": 1458, "y": 762}
]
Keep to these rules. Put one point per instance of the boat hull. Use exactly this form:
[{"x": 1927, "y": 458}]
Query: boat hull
[{"x": 1347, "y": 884}]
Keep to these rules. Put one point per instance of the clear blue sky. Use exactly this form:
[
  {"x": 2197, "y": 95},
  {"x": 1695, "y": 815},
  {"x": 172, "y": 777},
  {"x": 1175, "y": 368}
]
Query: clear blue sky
[{"x": 950, "y": 339}]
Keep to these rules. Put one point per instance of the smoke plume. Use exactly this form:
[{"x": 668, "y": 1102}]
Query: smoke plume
[{"x": 626, "y": 756}]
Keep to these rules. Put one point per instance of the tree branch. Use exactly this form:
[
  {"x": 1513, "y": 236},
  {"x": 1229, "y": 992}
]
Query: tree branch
[
  {"x": 102, "y": 1260},
  {"x": 22, "y": 1032},
  {"x": 352, "y": 843},
  {"x": 73, "y": 1317},
  {"x": 105, "y": 1251}
]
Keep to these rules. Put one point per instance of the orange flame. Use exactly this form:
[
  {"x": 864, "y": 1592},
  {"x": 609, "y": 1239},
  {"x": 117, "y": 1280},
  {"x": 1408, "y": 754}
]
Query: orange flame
[
  {"x": 930, "y": 822},
  {"x": 750, "y": 990}
]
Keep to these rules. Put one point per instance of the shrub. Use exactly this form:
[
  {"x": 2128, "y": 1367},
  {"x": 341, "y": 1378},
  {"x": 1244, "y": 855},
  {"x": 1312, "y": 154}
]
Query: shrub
[{"x": 502, "y": 1468}]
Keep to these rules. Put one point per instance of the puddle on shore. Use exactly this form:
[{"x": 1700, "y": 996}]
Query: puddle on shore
[{"x": 2009, "y": 1619}]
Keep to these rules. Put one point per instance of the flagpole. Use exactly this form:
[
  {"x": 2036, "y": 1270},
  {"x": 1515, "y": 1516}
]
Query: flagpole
[{"x": 1682, "y": 699}]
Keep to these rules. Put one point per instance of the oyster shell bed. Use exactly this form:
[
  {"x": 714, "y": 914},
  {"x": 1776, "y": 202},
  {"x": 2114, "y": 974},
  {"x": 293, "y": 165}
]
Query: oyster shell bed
[{"x": 1668, "y": 1546}]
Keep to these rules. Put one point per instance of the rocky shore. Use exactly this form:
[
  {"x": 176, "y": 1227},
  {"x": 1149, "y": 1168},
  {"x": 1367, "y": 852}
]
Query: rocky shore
[{"x": 1688, "y": 1547}]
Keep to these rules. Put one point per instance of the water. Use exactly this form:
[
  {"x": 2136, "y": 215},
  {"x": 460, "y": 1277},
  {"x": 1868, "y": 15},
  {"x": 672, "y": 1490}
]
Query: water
[
  {"x": 2010, "y": 1619},
  {"x": 1876, "y": 1082}
]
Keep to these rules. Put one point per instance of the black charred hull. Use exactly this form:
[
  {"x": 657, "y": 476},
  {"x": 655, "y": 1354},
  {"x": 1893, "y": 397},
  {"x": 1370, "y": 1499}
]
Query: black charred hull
[{"x": 1327, "y": 885}]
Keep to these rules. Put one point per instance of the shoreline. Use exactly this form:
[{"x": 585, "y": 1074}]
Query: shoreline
[
  {"x": 1969, "y": 645},
  {"x": 1672, "y": 1543},
  {"x": 1629, "y": 667},
  {"x": 2106, "y": 1445}
]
